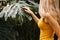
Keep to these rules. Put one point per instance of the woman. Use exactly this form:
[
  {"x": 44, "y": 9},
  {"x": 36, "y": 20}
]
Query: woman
[{"x": 48, "y": 11}]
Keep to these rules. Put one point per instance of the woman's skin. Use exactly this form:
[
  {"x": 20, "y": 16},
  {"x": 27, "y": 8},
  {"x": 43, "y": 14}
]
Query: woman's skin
[
  {"x": 51, "y": 19},
  {"x": 53, "y": 24},
  {"x": 26, "y": 9}
]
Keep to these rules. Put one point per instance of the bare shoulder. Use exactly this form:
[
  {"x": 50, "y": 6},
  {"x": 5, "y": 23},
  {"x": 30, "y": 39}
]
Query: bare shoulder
[{"x": 58, "y": 38}]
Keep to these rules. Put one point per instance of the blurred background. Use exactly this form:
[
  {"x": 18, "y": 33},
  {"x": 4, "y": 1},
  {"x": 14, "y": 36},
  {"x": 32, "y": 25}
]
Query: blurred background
[{"x": 13, "y": 29}]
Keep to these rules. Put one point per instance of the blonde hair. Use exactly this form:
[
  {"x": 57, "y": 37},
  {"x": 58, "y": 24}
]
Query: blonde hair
[{"x": 50, "y": 6}]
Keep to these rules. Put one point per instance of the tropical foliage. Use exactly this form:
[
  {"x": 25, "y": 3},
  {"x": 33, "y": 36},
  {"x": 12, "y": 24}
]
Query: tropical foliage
[{"x": 15, "y": 24}]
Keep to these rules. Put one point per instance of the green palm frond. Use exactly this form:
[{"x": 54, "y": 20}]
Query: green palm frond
[
  {"x": 13, "y": 15},
  {"x": 16, "y": 9}
]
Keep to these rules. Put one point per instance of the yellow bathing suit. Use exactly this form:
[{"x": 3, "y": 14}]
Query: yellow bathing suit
[{"x": 46, "y": 33}]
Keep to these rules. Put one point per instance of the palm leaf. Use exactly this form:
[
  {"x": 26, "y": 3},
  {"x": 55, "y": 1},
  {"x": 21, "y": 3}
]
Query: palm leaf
[
  {"x": 16, "y": 9},
  {"x": 13, "y": 15}
]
